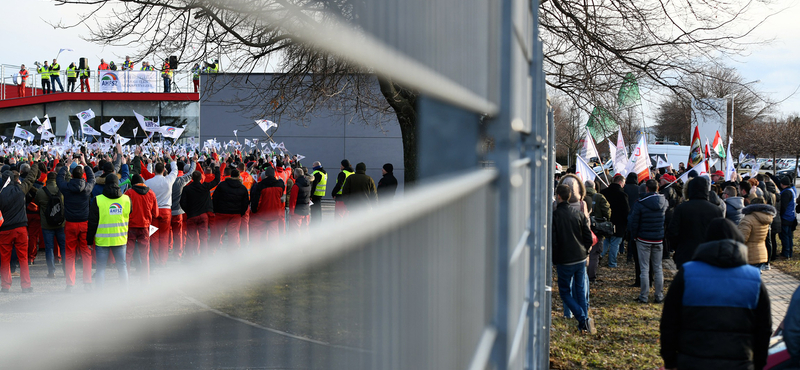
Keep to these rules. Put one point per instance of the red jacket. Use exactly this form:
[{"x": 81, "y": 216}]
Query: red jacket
[
  {"x": 144, "y": 207},
  {"x": 265, "y": 200}
]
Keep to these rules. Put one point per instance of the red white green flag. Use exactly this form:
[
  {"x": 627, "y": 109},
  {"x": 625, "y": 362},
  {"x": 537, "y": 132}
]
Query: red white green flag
[
  {"x": 717, "y": 146},
  {"x": 696, "y": 151}
]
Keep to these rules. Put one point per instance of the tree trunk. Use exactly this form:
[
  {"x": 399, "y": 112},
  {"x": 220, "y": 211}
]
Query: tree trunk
[{"x": 404, "y": 103}]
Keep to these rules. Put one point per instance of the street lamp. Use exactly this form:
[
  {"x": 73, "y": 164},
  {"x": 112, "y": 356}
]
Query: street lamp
[{"x": 733, "y": 102}]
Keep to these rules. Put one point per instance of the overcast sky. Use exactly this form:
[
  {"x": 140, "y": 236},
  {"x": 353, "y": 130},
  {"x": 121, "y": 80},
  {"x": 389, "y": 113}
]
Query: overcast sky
[{"x": 30, "y": 38}]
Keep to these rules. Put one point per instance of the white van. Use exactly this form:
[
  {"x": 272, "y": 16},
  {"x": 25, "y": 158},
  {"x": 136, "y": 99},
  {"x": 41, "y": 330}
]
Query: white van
[{"x": 674, "y": 154}]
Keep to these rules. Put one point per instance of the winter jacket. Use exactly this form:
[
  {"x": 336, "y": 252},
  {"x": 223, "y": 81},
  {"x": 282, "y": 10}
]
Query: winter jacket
[
  {"x": 717, "y": 201},
  {"x": 387, "y": 187},
  {"x": 646, "y": 221},
  {"x": 787, "y": 212},
  {"x": 266, "y": 199},
  {"x": 598, "y": 204},
  {"x": 111, "y": 191},
  {"x": 12, "y": 199},
  {"x": 144, "y": 206},
  {"x": 300, "y": 198},
  {"x": 77, "y": 193},
  {"x": 231, "y": 197},
  {"x": 755, "y": 227},
  {"x": 733, "y": 209},
  {"x": 717, "y": 312},
  {"x": 100, "y": 180},
  {"x": 196, "y": 197},
  {"x": 618, "y": 201},
  {"x": 632, "y": 190},
  {"x": 177, "y": 188},
  {"x": 572, "y": 238},
  {"x": 340, "y": 181},
  {"x": 317, "y": 179},
  {"x": 690, "y": 221},
  {"x": 42, "y": 199},
  {"x": 359, "y": 188},
  {"x": 791, "y": 328}
]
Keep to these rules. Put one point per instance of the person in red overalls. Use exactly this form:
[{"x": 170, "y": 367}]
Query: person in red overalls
[{"x": 23, "y": 74}]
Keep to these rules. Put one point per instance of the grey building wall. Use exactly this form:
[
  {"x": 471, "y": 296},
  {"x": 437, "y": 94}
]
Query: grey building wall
[{"x": 325, "y": 134}]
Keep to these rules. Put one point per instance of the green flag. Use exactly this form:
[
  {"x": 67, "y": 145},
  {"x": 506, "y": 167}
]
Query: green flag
[
  {"x": 628, "y": 92},
  {"x": 601, "y": 124}
]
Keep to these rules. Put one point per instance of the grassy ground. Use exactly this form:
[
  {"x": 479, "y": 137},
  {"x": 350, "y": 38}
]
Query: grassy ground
[
  {"x": 627, "y": 332},
  {"x": 791, "y": 267}
]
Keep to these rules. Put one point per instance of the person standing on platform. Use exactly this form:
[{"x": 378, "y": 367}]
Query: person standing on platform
[
  {"x": 127, "y": 65},
  {"x": 166, "y": 74},
  {"x": 84, "y": 74},
  {"x": 196, "y": 77},
  {"x": 103, "y": 65},
  {"x": 72, "y": 75},
  {"x": 319, "y": 186},
  {"x": 23, "y": 75},
  {"x": 55, "y": 75},
  {"x": 347, "y": 171},
  {"x": 44, "y": 73}
]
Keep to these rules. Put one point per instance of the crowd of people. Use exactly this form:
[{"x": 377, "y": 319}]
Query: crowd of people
[
  {"x": 124, "y": 207},
  {"x": 50, "y": 74},
  {"x": 721, "y": 236}
]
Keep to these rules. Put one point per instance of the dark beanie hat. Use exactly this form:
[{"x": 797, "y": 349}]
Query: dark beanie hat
[
  {"x": 234, "y": 173},
  {"x": 388, "y": 167},
  {"x": 181, "y": 166},
  {"x": 112, "y": 180},
  {"x": 345, "y": 163},
  {"x": 361, "y": 166},
  {"x": 137, "y": 179},
  {"x": 786, "y": 180},
  {"x": 108, "y": 167}
]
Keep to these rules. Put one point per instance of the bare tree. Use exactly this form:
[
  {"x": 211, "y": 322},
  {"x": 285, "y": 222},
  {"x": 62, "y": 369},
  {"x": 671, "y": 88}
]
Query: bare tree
[{"x": 569, "y": 130}]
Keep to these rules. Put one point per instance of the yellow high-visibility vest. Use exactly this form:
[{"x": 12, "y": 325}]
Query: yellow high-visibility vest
[
  {"x": 44, "y": 73},
  {"x": 346, "y": 175},
  {"x": 112, "y": 227},
  {"x": 72, "y": 72},
  {"x": 322, "y": 185}
]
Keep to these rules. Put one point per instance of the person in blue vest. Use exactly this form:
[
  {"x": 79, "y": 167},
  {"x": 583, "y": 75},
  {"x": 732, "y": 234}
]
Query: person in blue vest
[
  {"x": 717, "y": 310},
  {"x": 108, "y": 229},
  {"x": 788, "y": 216}
]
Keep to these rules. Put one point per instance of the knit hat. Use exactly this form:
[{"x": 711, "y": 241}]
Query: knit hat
[
  {"x": 361, "y": 167},
  {"x": 235, "y": 173},
  {"x": 786, "y": 180},
  {"x": 108, "y": 167},
  {"x": 388, "y": 167},
  {"x": 137, "y": 179}
]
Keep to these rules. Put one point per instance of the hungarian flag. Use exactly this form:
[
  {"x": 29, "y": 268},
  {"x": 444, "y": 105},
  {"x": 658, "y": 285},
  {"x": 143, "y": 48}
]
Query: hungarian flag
[
  {"x": 696, "y": 151},
  {"x": 717, "y": 146}
]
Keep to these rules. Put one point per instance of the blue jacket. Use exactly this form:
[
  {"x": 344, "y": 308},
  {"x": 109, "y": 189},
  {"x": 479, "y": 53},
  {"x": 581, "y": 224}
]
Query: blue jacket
[
  {"x": 77, "y": 194},
  {"x": 791, "y": 328},
  {"x": 788, "y": 197},
  {"x": 646, "y": 221},
  {"x": 123, "y": 176}
]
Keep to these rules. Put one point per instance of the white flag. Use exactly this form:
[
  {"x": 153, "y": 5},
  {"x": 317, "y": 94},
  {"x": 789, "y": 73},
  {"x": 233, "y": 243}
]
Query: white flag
[
  {"x": 38, "y": 123},
  {"x": 111, "y": 127},
  {"x": 135, "y": 130},
  {"x": 584, "y": 171},
  {"x": 122, "y": 140},
  {"x": 85, "y": 115},
  {"x": 68, "y": 134},
  {"x": 280, "y": 146},
  {"x": 47, "y": 135},
  {"x": 147, "y": 125},
  {"x": 22, "y": 133},
  {"x": 753, "y": 173},
  {"x": 172, "y": 132},
  {"x": 621, "y": 156},
  {"x": 641, "y": 159},
  {"x": 235, "y": 133},
  {"x": 300, "y": 157},
  {"x": 46, "y": 124},
  {"x": 589, "y": 151},
  {"x": 730, "y": 170},
  {"x": 265, "y": 124},
  {"x": 700, "y": 169},
  {"x": 153, "y": 229},
  {"x": 88, "y": 130},
  {"x": 661, "y": 163},
  {"x": 65, "y": 49},
  {"x": 742, "y": 157}
]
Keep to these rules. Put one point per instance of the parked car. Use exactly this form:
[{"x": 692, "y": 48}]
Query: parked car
[{"x": 747, "y": 163}]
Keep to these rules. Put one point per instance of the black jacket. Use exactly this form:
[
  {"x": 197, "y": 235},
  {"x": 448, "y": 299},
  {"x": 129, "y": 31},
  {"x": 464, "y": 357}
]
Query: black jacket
[
  {"x": 690, "y": 221},
  {"x": 231, "y": 197},
  {"x": 646, "y": 221},
  {"x": 196, "y": 197},
  {"x": 572, "y": 238},
  {"x": 717, "y": 312},
  {"x": 317, "y": 179},
  {"x": 340, "y": 180},
  {"x": 302, "y": 206},
  {"x": 387, "y": 187},
  {"x": 111, "y": 191},
  {"x": 619, "y": 207},
  {"x": 632, "y": 190},
  {"x": 12, "y": 199},
  {"x": 77, "y": 194}
]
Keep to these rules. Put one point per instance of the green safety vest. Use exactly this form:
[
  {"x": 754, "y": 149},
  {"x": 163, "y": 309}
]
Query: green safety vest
[
  {"x": 323, "y": 183},
  {"x": 44, "y": 72},
  {"x": 112, "y": 227},
  {"x": 55, "y": 69},
  {"x": 72, "y": 72},
  {"x": 346, "y": 175},
  {"x": 84, "y": 72},
  {"x": 195, "y": 73}
]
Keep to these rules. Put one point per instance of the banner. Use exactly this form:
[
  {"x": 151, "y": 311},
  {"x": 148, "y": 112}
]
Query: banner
[
  {"x": 709, "y": 116},
  {"x": 111, "y": 127},
  {"x": 128, "y": 81}
]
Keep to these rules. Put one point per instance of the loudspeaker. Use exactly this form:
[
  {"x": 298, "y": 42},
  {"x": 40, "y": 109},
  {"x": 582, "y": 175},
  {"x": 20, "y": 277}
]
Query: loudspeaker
[
  {"x": 173, "y": 62},
  {"x": 84, "y": 63}
]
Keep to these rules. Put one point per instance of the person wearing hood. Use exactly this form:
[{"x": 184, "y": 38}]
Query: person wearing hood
[
  {"x": 631, "y": 188},
  {"x": 109, "y": 214},
  {"x": 691, "y": 219},
  {"x": 646, "y": 225},
  {"x": 717, "y": 310},
  {"x": 755, "y": 229},
  {"x": 387, "y": 185},
  {"x": 733, "y": 205},
  {"x": 196, "y": 202},
  {"x": 618, "y": 200},
  {"x": 119, "y": 167},
  {"x": 318, "y": 186},
  {"x": 360, "y": 188},
  {"x": 267, "y": 207},
  {"x": 341, "y": 178},
  {"x": 144, "y": 210},
  {"x": 14, "y": 231},
  {"x": 788, "y": 215},
  {"x": 299, "y": 199},
  {"x": 51, "y": 231},
  {"x": 775, "y": 227},
  {"x": 77, "y": 193},
  {"x": 230, "y": 204},
  {"x": 600, "y": 210}
]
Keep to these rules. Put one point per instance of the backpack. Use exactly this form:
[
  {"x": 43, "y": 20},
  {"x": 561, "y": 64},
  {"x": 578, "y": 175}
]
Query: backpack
[{"x": 54, "y": 211}]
